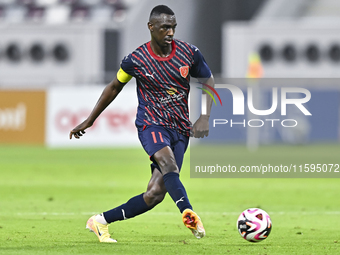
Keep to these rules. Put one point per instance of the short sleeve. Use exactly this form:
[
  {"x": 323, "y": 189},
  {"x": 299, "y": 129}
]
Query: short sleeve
[
  {"x": 200, "y": 68},
  {"x": 127, "y": 65}
]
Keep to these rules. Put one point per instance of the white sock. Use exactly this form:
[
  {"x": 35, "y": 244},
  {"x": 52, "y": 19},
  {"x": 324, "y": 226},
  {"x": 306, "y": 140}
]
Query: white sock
[{"x": 100, "y": 218}]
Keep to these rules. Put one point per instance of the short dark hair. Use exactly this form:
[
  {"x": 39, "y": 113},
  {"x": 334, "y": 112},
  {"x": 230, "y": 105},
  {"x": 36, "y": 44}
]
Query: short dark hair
[{"x": 159, "y": 9}]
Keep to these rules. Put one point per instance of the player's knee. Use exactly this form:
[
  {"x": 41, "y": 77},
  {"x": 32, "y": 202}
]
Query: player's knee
[
  {"x": 166, "y": 160},
  {"x": 154, "y": 196},
  {"x": 167, "y": 168}
]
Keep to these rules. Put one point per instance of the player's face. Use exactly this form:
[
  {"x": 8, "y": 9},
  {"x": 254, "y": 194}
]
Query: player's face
[{"x": 163, "y": 29}]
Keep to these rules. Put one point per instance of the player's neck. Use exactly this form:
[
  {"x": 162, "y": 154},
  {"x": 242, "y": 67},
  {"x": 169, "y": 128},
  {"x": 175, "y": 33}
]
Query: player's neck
[{"x": 162, "y": 52}]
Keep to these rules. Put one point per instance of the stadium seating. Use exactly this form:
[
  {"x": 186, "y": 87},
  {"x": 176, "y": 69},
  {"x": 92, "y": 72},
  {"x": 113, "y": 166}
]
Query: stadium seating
[{"x": 62, "y": 11}]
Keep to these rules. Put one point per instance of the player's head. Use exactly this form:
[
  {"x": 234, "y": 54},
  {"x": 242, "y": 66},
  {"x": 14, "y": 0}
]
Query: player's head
[
  {"x": 162, "y": 24},
  {"x": 160, "y": 9}
]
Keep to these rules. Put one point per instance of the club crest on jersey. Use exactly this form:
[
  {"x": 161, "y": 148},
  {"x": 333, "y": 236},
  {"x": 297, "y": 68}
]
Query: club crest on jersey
[{"x": 184, "y": 70}]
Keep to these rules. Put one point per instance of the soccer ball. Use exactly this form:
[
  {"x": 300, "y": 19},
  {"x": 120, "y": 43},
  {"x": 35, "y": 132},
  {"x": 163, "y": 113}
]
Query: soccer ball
[{"x": 254, "y": 225}]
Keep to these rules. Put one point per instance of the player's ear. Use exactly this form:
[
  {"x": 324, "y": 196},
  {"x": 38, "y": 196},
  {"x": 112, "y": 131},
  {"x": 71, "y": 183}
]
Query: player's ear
[{"x": 150, "y": 26}]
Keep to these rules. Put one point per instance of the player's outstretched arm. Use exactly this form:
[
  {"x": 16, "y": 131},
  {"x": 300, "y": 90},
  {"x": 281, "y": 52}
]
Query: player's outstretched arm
[
  {"x": 109, "y": 94},
  {"x": 201, "y": 127}
]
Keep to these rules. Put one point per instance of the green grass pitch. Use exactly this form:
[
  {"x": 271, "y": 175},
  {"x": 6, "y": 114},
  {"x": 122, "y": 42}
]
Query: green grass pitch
[{"x": 46, "y": 196}]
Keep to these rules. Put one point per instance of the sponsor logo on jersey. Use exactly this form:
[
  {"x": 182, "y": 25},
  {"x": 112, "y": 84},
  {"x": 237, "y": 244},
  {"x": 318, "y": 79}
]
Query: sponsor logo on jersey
[{"x": 171, "y": 91}]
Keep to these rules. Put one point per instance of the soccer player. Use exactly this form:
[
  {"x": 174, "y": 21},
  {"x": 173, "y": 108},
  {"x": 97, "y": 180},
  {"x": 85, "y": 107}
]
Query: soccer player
[{"x": 162, "y": 68}]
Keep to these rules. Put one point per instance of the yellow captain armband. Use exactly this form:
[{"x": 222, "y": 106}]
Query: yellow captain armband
[{"x": 122, "y": 76}]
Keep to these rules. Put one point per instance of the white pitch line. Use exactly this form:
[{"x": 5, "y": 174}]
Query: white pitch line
[
  {"x": 271, "y": 213},
  {"x": 168, "y": 213}
]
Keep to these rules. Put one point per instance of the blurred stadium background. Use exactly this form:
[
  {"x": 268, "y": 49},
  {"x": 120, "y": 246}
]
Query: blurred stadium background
[{"x": 56, "y": 56}]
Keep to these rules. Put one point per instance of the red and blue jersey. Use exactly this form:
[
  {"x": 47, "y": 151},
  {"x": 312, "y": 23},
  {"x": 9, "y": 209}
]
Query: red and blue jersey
[{"x": 163, "y": 84}]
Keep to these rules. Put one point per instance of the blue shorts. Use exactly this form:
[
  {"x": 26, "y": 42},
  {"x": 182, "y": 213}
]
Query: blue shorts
[{"x": 154, "y": 138}]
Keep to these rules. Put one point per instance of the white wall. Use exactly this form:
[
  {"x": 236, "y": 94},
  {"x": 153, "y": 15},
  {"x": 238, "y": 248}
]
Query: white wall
[{"x": 69, "y": 106}]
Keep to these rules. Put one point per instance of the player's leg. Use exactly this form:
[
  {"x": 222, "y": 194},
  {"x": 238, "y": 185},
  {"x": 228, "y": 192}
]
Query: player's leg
[
  {"x": 156, "y": 190},
  {"x": 139, "y": 204},
  {"x": 165, "y": 159},
  {"x": 170, "y": 162},
  {"x": 142, "y": 203},
  {"x": 99, "y": 223}
]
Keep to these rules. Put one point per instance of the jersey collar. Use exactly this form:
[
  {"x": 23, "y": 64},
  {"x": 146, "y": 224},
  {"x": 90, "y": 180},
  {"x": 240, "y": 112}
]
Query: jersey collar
[{"x": 173, "y": 44}]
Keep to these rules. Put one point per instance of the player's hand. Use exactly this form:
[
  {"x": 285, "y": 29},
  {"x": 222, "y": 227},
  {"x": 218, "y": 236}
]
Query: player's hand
[
  {"x": 201, "y": 127},
  {"x": 79, "y": 130}
]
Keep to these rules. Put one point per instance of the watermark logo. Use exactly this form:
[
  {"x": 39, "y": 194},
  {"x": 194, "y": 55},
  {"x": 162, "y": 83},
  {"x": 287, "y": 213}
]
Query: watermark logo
[
  {"x": 279, "y": 101},
  {"x": 204, "y": 97}
]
